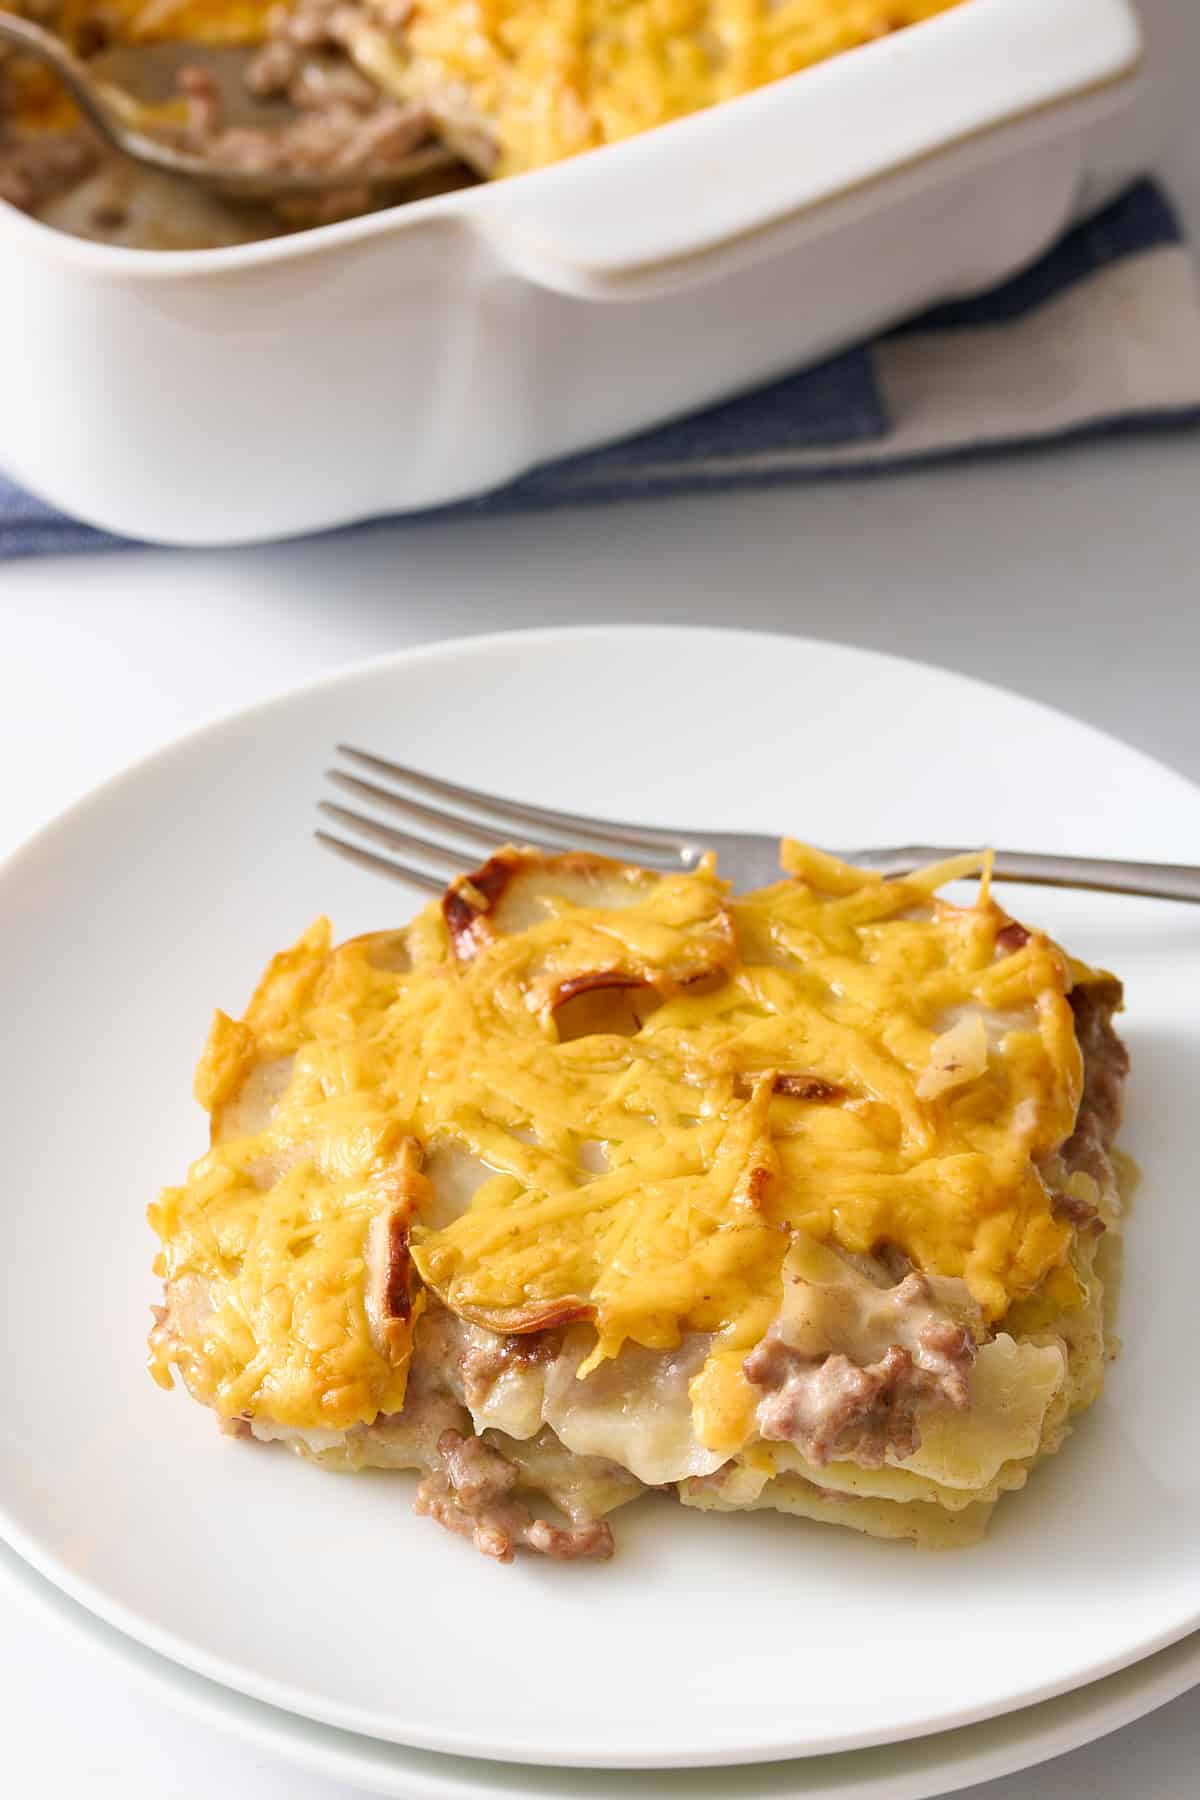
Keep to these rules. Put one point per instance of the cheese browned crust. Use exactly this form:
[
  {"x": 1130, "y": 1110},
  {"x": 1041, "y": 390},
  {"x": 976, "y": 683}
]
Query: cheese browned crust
[{"x": 792, "y": 1199}]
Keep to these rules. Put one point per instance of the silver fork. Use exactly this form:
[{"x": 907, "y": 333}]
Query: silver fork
[{"x": 436, "y": 841}]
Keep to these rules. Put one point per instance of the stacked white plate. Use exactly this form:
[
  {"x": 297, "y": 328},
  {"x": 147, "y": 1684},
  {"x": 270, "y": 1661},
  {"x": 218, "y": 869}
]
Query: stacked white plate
[{"x": 319, "y": 1615}]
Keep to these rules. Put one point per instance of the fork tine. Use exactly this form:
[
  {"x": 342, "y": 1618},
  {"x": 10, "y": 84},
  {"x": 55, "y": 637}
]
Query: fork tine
[
  {"x": 391, "y": 839},
  {"x": 380, "y": 865},
  {"x": 491, "y": 837},
  {"x": 610, "y": 835},
  {"x": 485, "y": 836}
]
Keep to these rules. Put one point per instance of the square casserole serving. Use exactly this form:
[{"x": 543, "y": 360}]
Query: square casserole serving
[{"x": 594, "y": 1180}]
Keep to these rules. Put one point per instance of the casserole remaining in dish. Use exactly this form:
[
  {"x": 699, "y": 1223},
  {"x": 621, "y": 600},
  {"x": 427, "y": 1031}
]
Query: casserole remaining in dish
[
  {"x": 509, "y": 85},
  {"x": 593, "y": 1181},
  {"x": 551, "y": 79}
]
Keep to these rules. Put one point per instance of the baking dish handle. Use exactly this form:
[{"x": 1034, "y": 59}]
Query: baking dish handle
[{"x": 648, "y": 214}]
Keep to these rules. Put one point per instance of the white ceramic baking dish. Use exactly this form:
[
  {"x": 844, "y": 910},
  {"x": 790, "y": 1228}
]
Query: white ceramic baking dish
[{"x": 421, "y": 355}]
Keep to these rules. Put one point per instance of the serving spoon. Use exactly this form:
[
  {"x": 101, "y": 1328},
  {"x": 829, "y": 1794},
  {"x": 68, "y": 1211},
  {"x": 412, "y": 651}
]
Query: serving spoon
[{"x": 113, "y": 89}]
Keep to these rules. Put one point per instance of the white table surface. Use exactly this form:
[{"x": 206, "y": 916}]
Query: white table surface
[{"x": 1072, "y": 577}]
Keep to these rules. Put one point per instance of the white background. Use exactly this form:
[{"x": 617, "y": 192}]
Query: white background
[{"x": 1071, "y": 576}]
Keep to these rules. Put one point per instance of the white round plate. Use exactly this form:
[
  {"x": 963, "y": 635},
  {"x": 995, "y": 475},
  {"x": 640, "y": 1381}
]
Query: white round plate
[
  {"x": 920, "y": 1769},
  {"x": 709, "y": 1639}
]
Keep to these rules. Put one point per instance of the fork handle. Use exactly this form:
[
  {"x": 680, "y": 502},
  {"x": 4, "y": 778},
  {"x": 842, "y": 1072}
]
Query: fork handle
[{"x": 1159, "y": 881}]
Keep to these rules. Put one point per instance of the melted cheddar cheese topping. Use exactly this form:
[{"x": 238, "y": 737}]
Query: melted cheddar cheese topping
[
  {"x": 560, "y": 76},
  {"x": 165, "y": 21},
  {"x": 838, "y": 1055}
]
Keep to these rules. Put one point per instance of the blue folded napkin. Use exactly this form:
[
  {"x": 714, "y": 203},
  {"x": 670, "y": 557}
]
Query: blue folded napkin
[{"x": 1102, "y": 335}]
